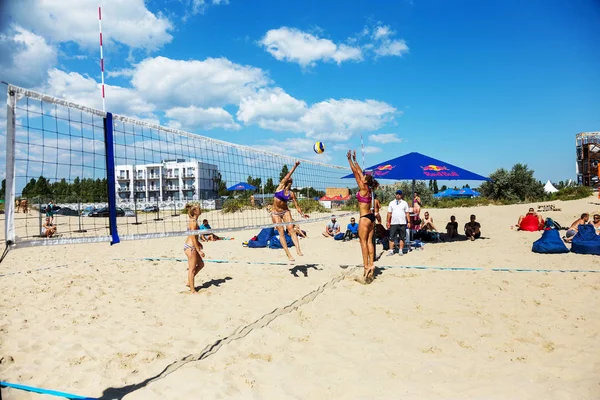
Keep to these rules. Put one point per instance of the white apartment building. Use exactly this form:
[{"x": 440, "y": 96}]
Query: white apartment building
[{"x": 171, "y": 180}]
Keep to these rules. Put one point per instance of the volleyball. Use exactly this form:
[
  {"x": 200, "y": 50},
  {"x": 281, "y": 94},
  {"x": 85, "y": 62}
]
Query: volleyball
[{"x": 319, "y": 147}]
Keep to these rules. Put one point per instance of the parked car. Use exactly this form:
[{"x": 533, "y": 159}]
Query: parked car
[
  {"x": 55, "y": 208},
  {"x": 88, "y": 210},
  {"x": 104, "y": 212},
  {"x": 151, "y": 209},
  {"x": 129, "y": 212},
  {"x": 67, "y": 211}
]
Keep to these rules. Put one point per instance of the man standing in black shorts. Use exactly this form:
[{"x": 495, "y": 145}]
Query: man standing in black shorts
[{"x": 398, "y": 218}]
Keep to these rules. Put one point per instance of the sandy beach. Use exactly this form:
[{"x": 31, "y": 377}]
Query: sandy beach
[{"x": 105, "y": 322}]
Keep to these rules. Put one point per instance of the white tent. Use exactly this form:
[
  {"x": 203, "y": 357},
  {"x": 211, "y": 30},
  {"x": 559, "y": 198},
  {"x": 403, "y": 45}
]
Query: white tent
[{"x": 549, "y": 187}]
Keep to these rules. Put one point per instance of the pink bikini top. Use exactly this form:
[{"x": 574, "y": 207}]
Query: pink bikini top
[{"x": 363, "y": 199}]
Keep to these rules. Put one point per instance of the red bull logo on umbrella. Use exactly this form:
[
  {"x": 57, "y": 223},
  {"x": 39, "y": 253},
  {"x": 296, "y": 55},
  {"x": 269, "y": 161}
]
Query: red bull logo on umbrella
[
  {"x": 383, "y": 170},
  {"x": 437, "y": 170}
]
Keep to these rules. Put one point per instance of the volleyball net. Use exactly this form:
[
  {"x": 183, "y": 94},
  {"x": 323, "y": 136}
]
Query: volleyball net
[{"x": 103, "y": 177}]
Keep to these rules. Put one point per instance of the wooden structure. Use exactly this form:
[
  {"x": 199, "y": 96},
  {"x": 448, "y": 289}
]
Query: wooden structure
[{"x": 588, "y": 158}]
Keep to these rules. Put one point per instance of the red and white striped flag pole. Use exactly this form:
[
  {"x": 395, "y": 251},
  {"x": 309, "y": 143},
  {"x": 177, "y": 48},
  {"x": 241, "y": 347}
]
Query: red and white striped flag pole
[
  {"x": 101, "y": 55},
  {"x": 362, "y": 145}
]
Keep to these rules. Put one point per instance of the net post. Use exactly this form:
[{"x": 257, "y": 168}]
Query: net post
[
  {"x": 9, "y": 194},
  {"x": 80, "y": 230},
  {"x": 110, "y": 178},
  {"x": 158, "y": 218}
]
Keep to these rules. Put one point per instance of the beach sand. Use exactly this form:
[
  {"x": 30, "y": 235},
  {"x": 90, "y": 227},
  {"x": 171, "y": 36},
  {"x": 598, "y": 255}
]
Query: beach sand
[{"x": 101, "y": 321}]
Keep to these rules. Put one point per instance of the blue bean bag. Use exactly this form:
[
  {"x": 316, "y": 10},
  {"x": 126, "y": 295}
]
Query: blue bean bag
[
  {"x": 586, "y": 241},
  {"x": 275, "y": 242},
  {"x": 262, "y": 239},
  {"x": 549, "y": 243}
]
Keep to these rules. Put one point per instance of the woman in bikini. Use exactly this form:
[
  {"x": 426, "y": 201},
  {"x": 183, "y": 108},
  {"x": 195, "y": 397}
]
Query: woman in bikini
[
  {"x": 366, "y": 223},
  {"x": 416, "y": 213},
  {"x": 192, "y": 247},
  {"x": 281, "y": 212}
]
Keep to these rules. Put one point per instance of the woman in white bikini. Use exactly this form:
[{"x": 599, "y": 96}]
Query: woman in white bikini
[
  {"x": 192, "y": 247},
  {"x": 281, "y": 212}
]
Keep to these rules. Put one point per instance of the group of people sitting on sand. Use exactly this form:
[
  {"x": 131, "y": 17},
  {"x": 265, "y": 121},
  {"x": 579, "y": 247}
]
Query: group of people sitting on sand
[{"x": 533, "y": 221}]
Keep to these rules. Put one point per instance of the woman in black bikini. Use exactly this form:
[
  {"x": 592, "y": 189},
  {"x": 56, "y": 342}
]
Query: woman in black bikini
[
  {"x": 281, "y": 212},
  {"x": 366, "y": 223},
  {"x": 192, "y": 247}
]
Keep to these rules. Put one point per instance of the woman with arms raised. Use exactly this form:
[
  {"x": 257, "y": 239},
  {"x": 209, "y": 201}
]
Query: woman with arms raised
[
  {"x": 281, "y": 212},
  {"x": 366, "y": 223}
]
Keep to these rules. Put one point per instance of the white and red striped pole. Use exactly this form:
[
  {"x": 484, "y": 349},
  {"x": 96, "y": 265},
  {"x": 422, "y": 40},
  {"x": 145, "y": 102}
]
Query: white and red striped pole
[
  {"x": 101, "y": 55},
  {"x": 362, "y": 145}
]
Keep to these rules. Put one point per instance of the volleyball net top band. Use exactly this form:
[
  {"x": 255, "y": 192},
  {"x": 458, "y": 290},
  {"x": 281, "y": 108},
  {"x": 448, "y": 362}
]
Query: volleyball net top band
[{"x": 100, "y": 177}]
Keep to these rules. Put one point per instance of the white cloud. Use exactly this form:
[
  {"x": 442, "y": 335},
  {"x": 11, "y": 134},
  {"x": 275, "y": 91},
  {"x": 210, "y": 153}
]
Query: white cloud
[
  {"x": 85, "y": 90},
  {"x": 384, "y": 45},
  {"x": 381, "y": 32},
  {"x": 200, "y": 6},
  {"x": 392, "y": 48},
  {"x": 346, "y": 115},
  {"x": 206, "y": 118},
  {"x": 31, "y": 57},
  {"x": 306, "y": 49},
  {"x": 213, "y": 82},
  {"x": 271, "y": 109},
  {"x": 371, "y": 149},
  {"x": 128, "y": 22},
  {"x": 290, "y": 44},
  {"x": 300, "y": 147},
  {"x": 385, "y": 138},
  {"x": 334, "y": 120}
]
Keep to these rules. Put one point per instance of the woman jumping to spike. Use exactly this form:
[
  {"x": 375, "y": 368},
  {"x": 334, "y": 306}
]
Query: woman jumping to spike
[
  {"x": 192, "y": 247},
  {"x": 366, "y": 223},
  {"x": 281, "y": 212}
]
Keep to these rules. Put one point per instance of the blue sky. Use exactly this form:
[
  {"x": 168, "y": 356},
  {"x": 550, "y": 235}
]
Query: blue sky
[{"x": 481, "y": 84}]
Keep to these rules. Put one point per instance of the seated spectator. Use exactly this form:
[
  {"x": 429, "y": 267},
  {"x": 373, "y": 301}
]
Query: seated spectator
[
  {"x": 452, "y": 228},
  {"x": 531, "y": 215},
  {"x": 351, "y": 230},
  {"x": 48, "y": 230},
  {"x": 383, "y": 236},
  {"x": 572, "y": 231},
  {"x": 210, "y": 237},
  {"x": 427, "y": 223},
  {"x": 473, "y": 229},
  {"x": 299, "y": 231},
  {"x": 596, "y": 223},
  {"x": 332, "y": 228}
]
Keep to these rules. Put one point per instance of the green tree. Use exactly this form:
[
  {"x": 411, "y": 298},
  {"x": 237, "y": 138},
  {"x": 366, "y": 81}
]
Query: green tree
[
  {"x": 518, "y": 184},
  {"x": 284, "y": 172},
  {"x": 220, "y": 185},
  {"x": 29, "y": 188},
  {"x": 444, "y": 187},
  {"x": 270, "y": 186},
  {"x": 3, "y": 189},
  {"x": 256, "y": 182},
  {"x": 435, "y": 186}
]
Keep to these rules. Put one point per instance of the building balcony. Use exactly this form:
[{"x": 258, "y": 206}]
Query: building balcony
[
  {"x": 153, "y": 176},
  {"x": 171, "y": 188},
  {"x": 123, "y": 189},
  {"x": 154, "y": 189},
  {"x": 122, "y": 178},
  {"x": 140, "y": 189}
]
